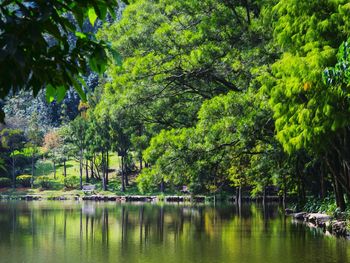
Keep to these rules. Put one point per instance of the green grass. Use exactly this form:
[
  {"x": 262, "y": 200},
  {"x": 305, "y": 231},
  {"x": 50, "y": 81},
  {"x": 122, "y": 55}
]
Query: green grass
[{"x": 45, "y": 167}]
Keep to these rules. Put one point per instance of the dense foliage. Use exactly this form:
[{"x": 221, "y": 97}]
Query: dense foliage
[
  {"x": 238, "y": 97},
  {"x": 35, "y": 49}
]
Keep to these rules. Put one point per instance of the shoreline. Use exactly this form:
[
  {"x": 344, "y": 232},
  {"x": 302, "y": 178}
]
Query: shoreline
[
  {"x": 330, "y": 225},
  {"x": 170, "y": 198}
]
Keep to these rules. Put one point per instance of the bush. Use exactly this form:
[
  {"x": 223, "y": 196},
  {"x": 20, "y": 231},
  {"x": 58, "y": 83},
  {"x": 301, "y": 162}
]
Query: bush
[
  {"x": 47, "y": 183},
  {"x": 71, "y": 181},
  {"x": 24, "y": 180},
  {"x": 5, "y": 182},
  {"x": 325, "y": 205},
  {"x": 147, "y": 182}
]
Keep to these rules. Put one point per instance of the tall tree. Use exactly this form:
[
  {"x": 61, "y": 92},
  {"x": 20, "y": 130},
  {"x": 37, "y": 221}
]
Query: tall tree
[
  {"x": 35, "y": 137},
  {"x": 78, "y": 129},
  {"x": 52, "y": 142},
  {"x": 13, "y": 141},
  {"x": 309, "y": 114}
]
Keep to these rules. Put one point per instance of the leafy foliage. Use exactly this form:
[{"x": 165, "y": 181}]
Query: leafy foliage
[
  {"x": 5, "y": 182},
  {"x": 35, "y": 50},
  {"x": 24, "y": 180},
  {"x": 212, "y": 97}
]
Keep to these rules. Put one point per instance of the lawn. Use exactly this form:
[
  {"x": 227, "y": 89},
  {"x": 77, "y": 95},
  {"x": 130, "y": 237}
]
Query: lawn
[{"x": 45, "y": 167}]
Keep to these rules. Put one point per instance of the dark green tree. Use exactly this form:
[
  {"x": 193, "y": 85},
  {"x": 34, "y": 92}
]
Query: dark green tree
[
  {"x": 34, "y": 45},
  {"x": 13, "y": 141}
]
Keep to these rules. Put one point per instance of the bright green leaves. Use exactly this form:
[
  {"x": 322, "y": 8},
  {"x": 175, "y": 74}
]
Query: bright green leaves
[
  {"x": 305, "y": 25},
  {"x": 50, "y": 93},
  {"x": 80, "y": 35},
  {"x": 60, "y": 93},
  {"x": 92, "y": 15},
  {"x": 55, "y": 93},
  {"x": 181, "y": 42},
  {"x": 305, "y": 109},
  {"x": 181, "y": 60},
  {"x": 228, "y": 127}
]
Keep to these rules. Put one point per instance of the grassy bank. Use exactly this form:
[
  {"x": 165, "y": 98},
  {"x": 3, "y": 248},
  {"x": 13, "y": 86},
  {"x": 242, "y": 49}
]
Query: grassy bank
[{"x": 46, "y": 167}]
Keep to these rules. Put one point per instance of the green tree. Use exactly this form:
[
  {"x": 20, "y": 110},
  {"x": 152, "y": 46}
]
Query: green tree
[
  {"x": 65, "y": 149},
  {"x": 78, "y": 128},
  {"x": 182, "y": 53},
  {"x": 98, "y": 141},
  {"x": 35, "y": 138},
  {"x": 13, "y": 141},
  {"x": 310, "y": 115},
  {"x": 52, "y": 142}
]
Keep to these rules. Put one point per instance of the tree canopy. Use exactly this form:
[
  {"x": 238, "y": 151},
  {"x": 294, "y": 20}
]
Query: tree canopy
[
  {"x": 34, "y": 45},
  {"x": 236, "y": 97}
]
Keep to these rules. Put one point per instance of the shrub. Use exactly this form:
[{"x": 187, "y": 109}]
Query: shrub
[
  {"x": 147, "y": 182},
  {"x": 47, "y": 183},
  {"x": 71, "y": 181},
  {"x": 5, "y": 182},
  {"x": 24, "y": 180},
  {"x": 325, "y": 205}
]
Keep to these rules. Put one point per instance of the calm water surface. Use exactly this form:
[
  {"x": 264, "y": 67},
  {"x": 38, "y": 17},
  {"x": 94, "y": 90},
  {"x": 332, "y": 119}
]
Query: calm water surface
[{"x": 145, "y": 233}]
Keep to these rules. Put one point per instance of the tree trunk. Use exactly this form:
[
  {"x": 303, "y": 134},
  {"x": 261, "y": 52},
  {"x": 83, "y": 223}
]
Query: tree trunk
[
  {"x": 240, "y": 195},
  {"x": 126, "y": 179},
  {"x": 340, "y": 196},
  {"x": 87, "y": 171},
  {"x": 107, "y": 167},
  {"x": 65, "y": 168},
  {"x": 126, "y": 173},
  {"x": 81, "y": 169},
  {"x": 237, "y": 195},
  {"x": 322, "y": 185},
  {"x": 33, "y": 167},
  {"x": 264, "y": 195},
  {"x": 140, "y": 160},
  {"x": 162, "y": 186},
  {"x": 122, "y": 175},
  {"x": 301, "y": 188},
  {"x": 103, "y": 172},
  {"x": 54, "y": 170},
  {"x": 13, "y": 171},
  {"x": 92, "y": 168}
]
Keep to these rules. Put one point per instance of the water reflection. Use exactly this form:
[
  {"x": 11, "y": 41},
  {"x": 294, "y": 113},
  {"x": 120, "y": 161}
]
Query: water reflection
[{"x": 110, "y": 232}]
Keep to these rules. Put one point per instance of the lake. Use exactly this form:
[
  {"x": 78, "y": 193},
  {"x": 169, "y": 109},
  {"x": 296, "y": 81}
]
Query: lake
[{"x": 49, "y": 231}]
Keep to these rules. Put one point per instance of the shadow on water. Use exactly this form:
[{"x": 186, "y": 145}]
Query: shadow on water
[{"x": 111, "y": 232}]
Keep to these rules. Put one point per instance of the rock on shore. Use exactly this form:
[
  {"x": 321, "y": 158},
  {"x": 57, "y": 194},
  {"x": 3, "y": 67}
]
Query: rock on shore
[{"x": 326, "y": 222}]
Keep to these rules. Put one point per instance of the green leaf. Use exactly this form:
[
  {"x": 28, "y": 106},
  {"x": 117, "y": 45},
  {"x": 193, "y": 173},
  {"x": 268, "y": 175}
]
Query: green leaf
[
  {"x": 80, "y": 35},
  {"x": 116, "y": 57},
  {"x": 92, "y": 15},
  {"x": 93, "y": 64},
  {"x": 103, "y": 10},
  {"x": 98, "y": 60},
  {"x": 79, "y": 89},
  {"x": 60, "y": 93},
  {"x": 82, "y": 81},
  {"x": 50, "y": 93}
]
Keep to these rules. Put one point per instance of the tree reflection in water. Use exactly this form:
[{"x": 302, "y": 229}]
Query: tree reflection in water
[{"x": 112, "y": 232}]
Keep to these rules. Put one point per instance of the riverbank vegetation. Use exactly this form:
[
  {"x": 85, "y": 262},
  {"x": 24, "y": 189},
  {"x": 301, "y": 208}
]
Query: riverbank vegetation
[{"x": 201, "y": 96}]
